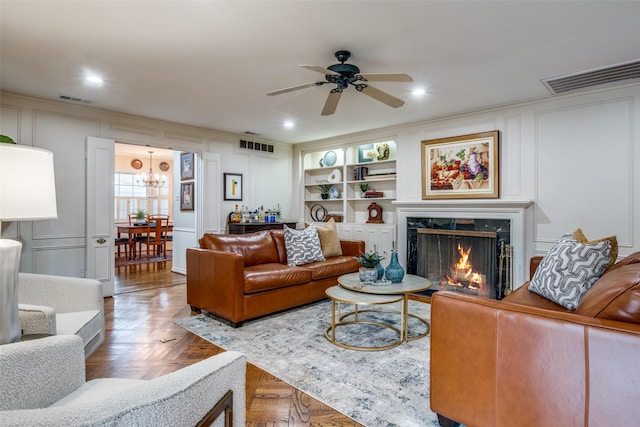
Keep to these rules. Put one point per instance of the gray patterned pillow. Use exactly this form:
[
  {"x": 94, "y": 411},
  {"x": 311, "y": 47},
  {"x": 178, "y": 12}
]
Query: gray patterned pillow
[
  {"x": 570, "y": 268},
  {"x": 303, "y": 246}
]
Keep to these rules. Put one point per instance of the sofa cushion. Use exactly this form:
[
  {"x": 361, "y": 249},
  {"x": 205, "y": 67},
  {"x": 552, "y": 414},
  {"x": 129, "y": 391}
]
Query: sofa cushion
[
  {"x": 523, "y": 296},
  {"x": 329, "y": 239},
  {"x": 278, "y": 239},
  {"x": 331, "y": 267},
  {"x": 303, "y": 246},
  {"x": 615, "y": 296},
  {"x": 569, "y": 269},
  {"x": 263, "y": 277},
  {"x": 613, "y": 256},
  {"x": 257, "y": 248}
]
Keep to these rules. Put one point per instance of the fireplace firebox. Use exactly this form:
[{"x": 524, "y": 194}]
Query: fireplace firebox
[{"x": 461, "y": 255}]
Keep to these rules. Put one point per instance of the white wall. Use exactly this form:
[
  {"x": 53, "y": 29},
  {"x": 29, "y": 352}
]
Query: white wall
[
  {"x": 57, "y": 246},
  {"x": 572, "y": 155}
]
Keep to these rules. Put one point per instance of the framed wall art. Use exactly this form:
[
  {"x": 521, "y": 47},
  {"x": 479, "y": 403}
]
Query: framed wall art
[
  {"x": 461, "y": 167},
  {"x": 186, "y": 166},
  {"x": 232, "y": 186},
  {"x": 186, "y": 196}
]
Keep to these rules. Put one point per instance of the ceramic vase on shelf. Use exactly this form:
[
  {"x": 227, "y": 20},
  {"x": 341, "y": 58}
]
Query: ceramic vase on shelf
[{"x": 394, "y": 272}]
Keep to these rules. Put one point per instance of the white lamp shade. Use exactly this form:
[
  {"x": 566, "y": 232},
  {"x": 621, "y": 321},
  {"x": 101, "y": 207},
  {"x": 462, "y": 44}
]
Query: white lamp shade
[{"x": 27, "y": 183}]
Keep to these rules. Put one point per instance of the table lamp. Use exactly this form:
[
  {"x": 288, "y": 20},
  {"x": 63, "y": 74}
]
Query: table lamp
[{"x": 27, "y": 193}]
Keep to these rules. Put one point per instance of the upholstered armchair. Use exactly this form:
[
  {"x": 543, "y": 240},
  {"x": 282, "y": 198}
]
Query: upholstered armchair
[
  {"x": 43, "y": 383},
  {"x": 63, "y": 306}
]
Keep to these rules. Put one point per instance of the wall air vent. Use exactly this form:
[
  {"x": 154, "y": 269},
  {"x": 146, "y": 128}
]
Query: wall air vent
[
  {"x": 609, "y": 75},
  {"x": 256, "y": 146},
  {"x": 74, "y": 99}
]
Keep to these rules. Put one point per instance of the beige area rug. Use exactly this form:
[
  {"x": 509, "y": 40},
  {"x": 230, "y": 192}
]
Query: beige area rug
[{"x": 376, "y": 388}]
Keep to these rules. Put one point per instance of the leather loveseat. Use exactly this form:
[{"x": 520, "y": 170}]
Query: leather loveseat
[
  {"x": 526, "y": 361},
  {"x": 243, "y": 276}
]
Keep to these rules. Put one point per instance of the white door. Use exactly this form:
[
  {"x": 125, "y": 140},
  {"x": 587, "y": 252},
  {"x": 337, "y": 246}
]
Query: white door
[{"x": 100, "y": 240}]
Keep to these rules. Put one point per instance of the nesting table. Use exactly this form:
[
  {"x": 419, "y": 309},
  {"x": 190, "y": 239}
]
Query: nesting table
[{"x": 353, "y": 292}]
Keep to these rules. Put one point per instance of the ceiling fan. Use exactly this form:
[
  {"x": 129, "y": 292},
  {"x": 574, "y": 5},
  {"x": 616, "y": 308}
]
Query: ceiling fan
[{"x": 343, "y": 75}]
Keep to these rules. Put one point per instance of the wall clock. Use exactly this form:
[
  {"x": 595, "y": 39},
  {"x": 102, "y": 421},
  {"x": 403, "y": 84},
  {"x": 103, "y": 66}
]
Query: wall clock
[{"x": 375, "y": 214}]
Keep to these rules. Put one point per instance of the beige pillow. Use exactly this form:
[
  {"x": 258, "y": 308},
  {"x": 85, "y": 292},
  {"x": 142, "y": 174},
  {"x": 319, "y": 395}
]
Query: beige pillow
[
  {"x": 613, "y": 241},
  {"x": 329, "y": 240}
]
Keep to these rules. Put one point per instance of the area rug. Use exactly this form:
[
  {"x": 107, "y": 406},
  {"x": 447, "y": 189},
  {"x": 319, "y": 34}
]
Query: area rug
[
  {"x": 375, "y": 388},
  {"x": 123, "y": 261}
]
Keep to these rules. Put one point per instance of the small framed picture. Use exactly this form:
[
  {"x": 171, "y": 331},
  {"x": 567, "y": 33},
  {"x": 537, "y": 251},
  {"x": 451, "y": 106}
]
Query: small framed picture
[
  {"x": 186, "y": 166},
  {"x": 232, "y": 186},
  {"x": 186, "y": 196}
]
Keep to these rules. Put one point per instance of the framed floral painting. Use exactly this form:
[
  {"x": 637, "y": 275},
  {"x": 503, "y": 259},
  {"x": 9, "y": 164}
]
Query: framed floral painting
[{"x": 461, "y": 167}]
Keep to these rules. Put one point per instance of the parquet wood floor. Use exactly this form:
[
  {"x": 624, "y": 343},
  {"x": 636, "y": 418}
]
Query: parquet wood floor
[{"x": 143, "y": 342}]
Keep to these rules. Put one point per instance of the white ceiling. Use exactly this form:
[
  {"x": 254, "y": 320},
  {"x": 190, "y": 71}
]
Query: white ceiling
[{"x": 211, "y": 63}]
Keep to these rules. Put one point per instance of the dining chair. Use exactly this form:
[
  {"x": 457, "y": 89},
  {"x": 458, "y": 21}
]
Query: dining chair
[{"x": 157, "y": 235}]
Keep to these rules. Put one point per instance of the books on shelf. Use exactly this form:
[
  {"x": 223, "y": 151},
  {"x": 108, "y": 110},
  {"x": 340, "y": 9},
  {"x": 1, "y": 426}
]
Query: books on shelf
[{"x": 372, "y": 194}]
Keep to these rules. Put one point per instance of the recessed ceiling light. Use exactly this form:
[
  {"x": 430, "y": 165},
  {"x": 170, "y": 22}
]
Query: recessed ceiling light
[
  {"x": 418, "y": 92},
  {"x": 94, "y": 79},
  {"x": 289, "y": 124}
]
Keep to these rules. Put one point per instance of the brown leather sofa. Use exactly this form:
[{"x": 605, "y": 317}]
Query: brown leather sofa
[
  {"x": 243, "y": 276},
  {"x": 526, "y": 361}
]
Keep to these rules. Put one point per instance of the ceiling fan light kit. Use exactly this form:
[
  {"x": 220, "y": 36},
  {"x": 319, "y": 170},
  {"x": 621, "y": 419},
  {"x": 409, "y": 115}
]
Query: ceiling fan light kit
[{"x": 343, "y": 75}]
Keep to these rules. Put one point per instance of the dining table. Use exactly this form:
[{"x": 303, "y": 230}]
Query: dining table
[{"x": 133, "y": 231}]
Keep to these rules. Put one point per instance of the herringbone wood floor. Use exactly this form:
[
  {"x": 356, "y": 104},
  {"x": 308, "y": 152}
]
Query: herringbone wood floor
[{"x": 143, "y": 342}]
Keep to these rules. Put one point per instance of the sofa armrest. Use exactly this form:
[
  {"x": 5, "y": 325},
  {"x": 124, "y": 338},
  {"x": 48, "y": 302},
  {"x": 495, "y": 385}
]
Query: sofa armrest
[
  {"x": 64, "y": 294},
  {"x": 534, "y": 263},
  {"x": 37, "y": 373},
  {"x": 352, "y": 247},
  {"x": 215, "y": 282},
  {"x": 37, "y": 319}
]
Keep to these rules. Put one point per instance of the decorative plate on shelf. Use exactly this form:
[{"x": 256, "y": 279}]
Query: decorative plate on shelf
[
  {"x": 136, "y": 163},
  {"x": 334, "y": 193},
  {"x": 329, "y": 159},
  {"x": 164, "y": 166}
]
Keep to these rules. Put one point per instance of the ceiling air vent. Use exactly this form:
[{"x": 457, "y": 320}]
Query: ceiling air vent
[
  {"x": 74, "y": 99},
  {"x": 611, "y": 74}
]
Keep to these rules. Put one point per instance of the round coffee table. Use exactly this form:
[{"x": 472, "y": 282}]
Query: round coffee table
[
  {"x": 341, "y": 295},
  {"x": 410, "y": 284}
]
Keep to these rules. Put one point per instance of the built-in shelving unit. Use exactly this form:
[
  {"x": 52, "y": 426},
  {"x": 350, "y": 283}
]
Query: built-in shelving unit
[{"x": 346, "y": 168}]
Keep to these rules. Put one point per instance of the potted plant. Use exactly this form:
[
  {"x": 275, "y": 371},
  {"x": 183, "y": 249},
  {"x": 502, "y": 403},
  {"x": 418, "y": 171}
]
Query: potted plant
[
  {"x": 141, "y": 216},
  {"x": 324, "y": 190},
  {"x": 364, "y": 186},
  {"x": 369, "y": 261}
]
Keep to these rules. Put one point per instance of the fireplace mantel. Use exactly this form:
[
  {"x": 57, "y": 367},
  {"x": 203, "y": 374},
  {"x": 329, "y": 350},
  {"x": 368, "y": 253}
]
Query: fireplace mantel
[{"x": 516, "y": 211}]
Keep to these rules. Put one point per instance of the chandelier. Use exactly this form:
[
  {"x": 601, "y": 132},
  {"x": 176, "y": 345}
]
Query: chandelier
[{"x": 152, "y": 180}]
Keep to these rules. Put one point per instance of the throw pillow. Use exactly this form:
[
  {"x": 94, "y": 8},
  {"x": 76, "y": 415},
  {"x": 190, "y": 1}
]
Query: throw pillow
[
  {"x": 329, "y": 239},
  {"x": 570, "y": 268},
  {"x": 580, "y": 237},
  {"x": 303, "y": 246}
]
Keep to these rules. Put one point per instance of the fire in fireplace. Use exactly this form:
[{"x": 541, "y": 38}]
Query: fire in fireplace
[{"x": 474, "y": 260}]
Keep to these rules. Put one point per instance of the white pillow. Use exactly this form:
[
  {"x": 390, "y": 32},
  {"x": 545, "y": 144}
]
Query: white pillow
[
  {"x": 303, "y": 246},
  {"x": 569, "y": 269}
]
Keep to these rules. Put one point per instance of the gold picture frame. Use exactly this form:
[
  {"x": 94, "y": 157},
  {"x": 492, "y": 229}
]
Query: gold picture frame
[{"x": 461, "y": 167}]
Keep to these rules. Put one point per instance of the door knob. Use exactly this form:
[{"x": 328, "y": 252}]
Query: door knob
[{"x": 101, "y": 240}]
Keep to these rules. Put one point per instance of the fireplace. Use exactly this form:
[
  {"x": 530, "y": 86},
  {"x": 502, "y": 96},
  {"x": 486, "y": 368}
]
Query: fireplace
[
  {"x": 461, "y": 255},
  {"x": 442, "y": 224}
]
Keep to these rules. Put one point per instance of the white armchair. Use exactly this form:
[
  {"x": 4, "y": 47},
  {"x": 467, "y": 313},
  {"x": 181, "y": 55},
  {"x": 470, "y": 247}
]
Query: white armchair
[
  {"x": 43, "y": 384},
  {"x": 63, "y": 306}
]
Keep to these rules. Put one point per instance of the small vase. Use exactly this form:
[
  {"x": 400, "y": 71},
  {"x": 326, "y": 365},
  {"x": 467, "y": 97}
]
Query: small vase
[
  {"x": 380, "y": 270},
  {"x": 394, "y": 272},
  {"x": 368, "y": 274}
]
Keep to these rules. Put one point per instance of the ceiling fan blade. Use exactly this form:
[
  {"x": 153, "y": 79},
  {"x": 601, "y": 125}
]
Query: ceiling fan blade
[
  {"x": 331, "y": 103},
  {"x": 383, "y": 97},
  {"x": 320, "y": 70},
  {"x": 387, "y": 77},
  {"x": 291, "y": 89}
]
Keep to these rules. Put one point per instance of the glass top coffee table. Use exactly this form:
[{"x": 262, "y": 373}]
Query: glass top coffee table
[{"x": 353, "y": 291}]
